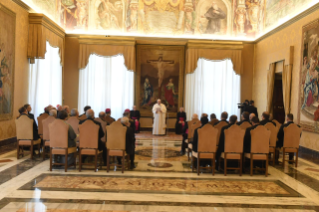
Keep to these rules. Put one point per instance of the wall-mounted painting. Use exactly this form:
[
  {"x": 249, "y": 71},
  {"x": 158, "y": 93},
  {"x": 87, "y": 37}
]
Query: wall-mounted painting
[
  {"x": 7, "y": 52},
  {"x": 160, "y": 74},
  {"x": 308, "y": 113}
]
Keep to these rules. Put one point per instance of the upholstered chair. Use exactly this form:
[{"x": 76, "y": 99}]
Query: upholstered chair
[
  {"x": 278, "y": 125},
  {"x": 24, "y": 128},
  {"x": 207, "y": 139},
  {"x": 273, "y": 139},
  {"x": 89, "y": 138},
  {"x": 192, "y": 126},
  {"x": 46, "y": 133},
  {"x": 74, "y": 122},
  {"x": 219, "y": 127},
  {"x": 259, "y": 148},
  {"x": 245, "y": 125},
  {"x": 291, "y": 142},
  {"x": 40, "y": 126},
  {"x": 116, "y": 143},
  {"x": 234, "y": 144},
  {"x": 59, "y": 142},
  {"x": 103, "y": 125},
  {"x": 82, "y": 117}
]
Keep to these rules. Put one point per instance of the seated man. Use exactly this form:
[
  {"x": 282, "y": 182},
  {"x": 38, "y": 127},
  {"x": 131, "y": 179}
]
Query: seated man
[
  {"x": 85, "y": 109},
  {"x": 131, "y": 121},
  {"x": 74, "y": 112},
  {"x": 203, "y": 120},
  {"x": 221, "y": 145},
  {"x": 281, "y": 134},
  {"x": 101, "y": 145},
  {"x": 28, "y": 107},
  {"x": 265, "y": 118},
  {"x": 244, "y": 118},
  {"x": 251, "y": 116},
  {"x": 135, "y": 115},
  {"x": 185, "y": 134},
  {"x": 47, "y": 109},
  {"x": 108, "y": 118},
  {"x": 63, "y": 115},
  {"x": 247, "y": 137},
  {"x": 213, "y": 119},
  {"x": 66, "y": 108},
  {"x": 23, "y": 112},
  {"x": 53, "y": 113},
  {"x": 223, "y": 117}
]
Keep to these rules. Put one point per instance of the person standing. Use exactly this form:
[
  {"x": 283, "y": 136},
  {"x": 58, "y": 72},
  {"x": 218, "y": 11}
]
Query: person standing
[
  {"x": 180, "y": 121},
  {"x": 159, "y": 111},
  {"x": 135, "y": 115}
]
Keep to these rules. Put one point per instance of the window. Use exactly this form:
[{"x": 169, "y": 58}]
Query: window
[
  {"x": 214, "y": 87},
  {"x": 106, "y": 83}
]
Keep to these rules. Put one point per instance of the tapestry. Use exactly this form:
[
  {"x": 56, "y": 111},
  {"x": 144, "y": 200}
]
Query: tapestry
[
  {"x": 309, "y": 78},
  {"x": 7, "y": 52}
]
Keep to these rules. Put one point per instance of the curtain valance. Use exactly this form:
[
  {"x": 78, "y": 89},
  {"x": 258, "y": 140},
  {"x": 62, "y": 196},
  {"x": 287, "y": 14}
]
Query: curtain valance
[
  {"x": 107, "y": 47},
  {"x": 214, "y": 51},
  {"x": 42, "y": 29}
]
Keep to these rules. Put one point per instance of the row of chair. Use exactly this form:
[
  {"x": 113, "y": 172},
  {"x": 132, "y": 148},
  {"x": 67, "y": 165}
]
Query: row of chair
[
  {"x": 263, "y": 143},
  {"x": 54, "y": 133}
]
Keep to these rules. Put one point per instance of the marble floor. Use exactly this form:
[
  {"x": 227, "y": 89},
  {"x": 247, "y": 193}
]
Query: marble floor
[{"x": 161, "y": 181}]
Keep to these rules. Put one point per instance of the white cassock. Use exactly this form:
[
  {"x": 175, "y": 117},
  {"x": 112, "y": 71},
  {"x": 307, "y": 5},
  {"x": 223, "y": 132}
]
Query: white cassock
[{"x": 159, "y": 125}]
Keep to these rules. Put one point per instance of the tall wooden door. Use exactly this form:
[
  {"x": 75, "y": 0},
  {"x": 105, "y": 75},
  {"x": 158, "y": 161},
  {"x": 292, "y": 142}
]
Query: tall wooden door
[{"x": 278, "y": 102}]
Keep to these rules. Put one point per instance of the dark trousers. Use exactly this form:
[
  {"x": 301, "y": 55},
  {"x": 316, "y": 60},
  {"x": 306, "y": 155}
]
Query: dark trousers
[
  {"x": 184, "y": 144},
  {"x": 132, "y": 158}
]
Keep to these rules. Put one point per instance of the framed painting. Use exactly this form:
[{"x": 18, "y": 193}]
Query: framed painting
[
  {"x": 160, "y": 75},
  {"x": 308, "y": 110},
  {"x": 7, "y": 52}
]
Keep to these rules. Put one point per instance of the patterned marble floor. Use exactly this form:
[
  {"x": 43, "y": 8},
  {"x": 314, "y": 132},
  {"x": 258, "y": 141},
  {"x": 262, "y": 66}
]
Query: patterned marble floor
[{"x": 162, "y": 181}]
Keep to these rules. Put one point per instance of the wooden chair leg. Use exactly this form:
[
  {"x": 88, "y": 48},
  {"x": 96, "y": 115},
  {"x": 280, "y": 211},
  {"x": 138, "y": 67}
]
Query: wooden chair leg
[
  {"x": 50, "y": 159},
  {"x": 43, "y": 152},
  {"x": 274, "y": 158},
  {"x": 241, "y": 165},
  {"x": 39, "y": 154},
  {"x": 266, "y": 165},
  {"x": 31, "y": 149},
  {"x": 18, "y": 150},
  {"x": 108, "y": 161},
  {"x": 296, "y": 163},
  {"x": 192, "y": 162},
  {"x": 75, "y": 160},
  {"x": 198, "y": 164},
  {"x": 101, "y": 160},
  {"x": 95, "y": 160},
  {"x": 251, "y": 164},
  {"x": 80, "y": 160},
  {"x": 225, "y": 165},
  {"x": 123, "y": 161},
  {"x": 66, "y": 160},
  {"x": 283, "y": 157},
  {"x": 214, "y": 165},
  {"x": 187, "y": 153}
]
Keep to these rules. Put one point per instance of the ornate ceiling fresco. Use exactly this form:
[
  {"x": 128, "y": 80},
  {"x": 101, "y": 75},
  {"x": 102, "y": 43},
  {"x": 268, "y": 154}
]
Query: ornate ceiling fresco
[{"x": 212, "y": 19}]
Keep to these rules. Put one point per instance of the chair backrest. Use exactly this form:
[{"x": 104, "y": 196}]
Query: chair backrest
[
  {"x": 245, "y": 125},
  {"x": 207, "y": 138},
  {"x": 24, "y": 128},
  {"x": 46, "y": 131},
  {"x": 192, "y": 126},
  {"x": 109, "y": 120},
  {"x": 40, "y": 119},
  {"x": 292, "y": 136},
  {"x": 103, "y": 125},
  {"x": 273, "y": 133},
  {"x": 74, "y": 122},
  {"x": 58, "y": 134},
  {"x": 219, "y": 127},
  {"x": 89, "y": 134},
  {"x": 278, "y": 125},
  {"x": 234, "y": 139},
  {"x": 82, "y": 117},
  {"x": 116, "y": 136},
  {"x": 260, "y": 137}
]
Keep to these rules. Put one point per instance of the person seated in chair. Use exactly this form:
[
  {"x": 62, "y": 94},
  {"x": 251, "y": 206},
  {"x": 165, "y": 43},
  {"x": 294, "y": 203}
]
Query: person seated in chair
[
  {"x": 108, "y": 118},
  {"x": 127, "y": 113},
  {"x": 185, "y": 134},
  {"x": 53, "y": 113},
  {"x": 281, "y": 135},
  {"x": 101, "y": 145},
  {"x": 247, "y": 137},
  {"x": 28, "y": 107},
  {"x": 265, "y": 118},
  {"x": 74, "y": 113},
  {"x": 85, "y": 109},
  {"x": 244, "y": 118},
  {"x": 221, "y": 144},
  {"x": 251, "y": 116},
  {"x": 63, "y": 115},
  {"x": 23, "y": 112},
  {"x": 203, "y": 120},
  {"x": 223, "y": 118},
  {"x": 213, "y": 119}
]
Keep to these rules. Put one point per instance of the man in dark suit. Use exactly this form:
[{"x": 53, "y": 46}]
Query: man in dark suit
[
  {"x": 223, "y": 117},
  {"x": 28, "y": 107},
  {"x": 101, "y": 145},
  {"x": 135, "y": 115},
  {"x": 108, "y": 118},
  {"x": 203, "y": 120},
  {"x": 244, "y": 118},
  {"x": 265, "y": 118},
  {"x": 252, "y": 108},
  {"x": 281, "y": 135},
  {"x": 213, "y": 119},
  {"x": 85, "y": 109},
  {"x": 221, "y": 145}
]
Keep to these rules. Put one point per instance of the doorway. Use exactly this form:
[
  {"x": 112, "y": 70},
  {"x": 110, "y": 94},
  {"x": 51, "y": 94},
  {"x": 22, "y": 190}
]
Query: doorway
[{"x": 278, "y": 101}]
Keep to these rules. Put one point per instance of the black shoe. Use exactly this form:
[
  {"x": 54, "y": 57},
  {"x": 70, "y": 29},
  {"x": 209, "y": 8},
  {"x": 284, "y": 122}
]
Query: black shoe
[
  {"x": 182, "y": 153},
  {"x": 132, "y": 166}
]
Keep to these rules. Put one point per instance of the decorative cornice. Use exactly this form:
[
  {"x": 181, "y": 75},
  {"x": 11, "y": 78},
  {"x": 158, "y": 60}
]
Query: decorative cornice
[
  {"x": 39, "y": 18},
  {"x": 24, "y": 6},
  {"x": 288, "y": 23},
  {"x": 102, "y": 40},
  {"x": 198, "y": 44}
]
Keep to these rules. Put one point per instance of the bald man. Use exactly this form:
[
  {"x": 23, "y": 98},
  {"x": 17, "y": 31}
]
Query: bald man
[{"x": 265, "y": 119}]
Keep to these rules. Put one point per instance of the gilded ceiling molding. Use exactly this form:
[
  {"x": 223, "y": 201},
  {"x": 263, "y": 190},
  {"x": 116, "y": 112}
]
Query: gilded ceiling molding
[
  {"x": 200, "y": 44},
  {"x": 24, "y": 6},
  {"x": 102, "y": 40}
]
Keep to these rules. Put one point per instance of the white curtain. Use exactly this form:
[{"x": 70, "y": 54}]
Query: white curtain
[
  {"x": 106, "y": 83},
  {"x": 214, "y": 87},
  {"x": 45, "y": 81}
]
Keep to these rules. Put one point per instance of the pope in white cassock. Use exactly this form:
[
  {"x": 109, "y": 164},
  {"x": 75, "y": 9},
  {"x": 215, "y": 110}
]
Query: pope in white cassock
[{"x": 159, "y": 111}]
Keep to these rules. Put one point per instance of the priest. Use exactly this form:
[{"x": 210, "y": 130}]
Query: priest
[
  {"x": 159, "y": 111},
  {"x": 135, "y": 115},
  {"x": 180, "y": 122}
]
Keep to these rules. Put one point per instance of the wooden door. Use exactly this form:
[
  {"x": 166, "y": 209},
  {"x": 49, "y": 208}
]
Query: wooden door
[{"x": 278, "y": 102}]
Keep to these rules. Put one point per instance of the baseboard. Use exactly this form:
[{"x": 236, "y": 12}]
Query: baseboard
[
  {"x": 8, "y": 141},
  {"x": 309, "y": 154}
]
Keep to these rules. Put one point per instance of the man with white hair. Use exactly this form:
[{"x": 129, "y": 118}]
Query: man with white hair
[
  {"x": 66, "y": 108},
  {"x": 101, "y": 145},
  {"x": 159, "y": 111},
  {"x": 251, "y": 116},
  {"x": 53, "y": 113},
  {"x": 74, "y": 112}
]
